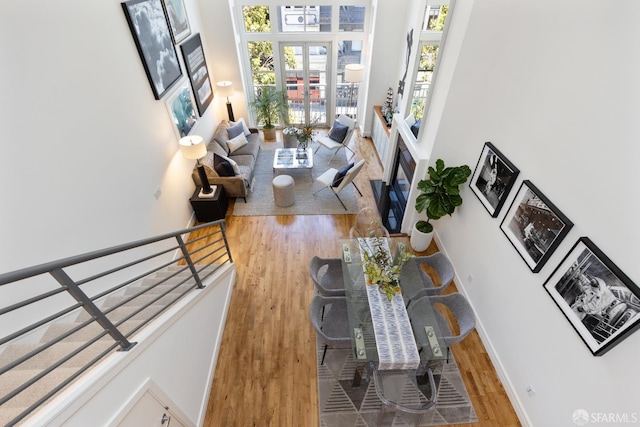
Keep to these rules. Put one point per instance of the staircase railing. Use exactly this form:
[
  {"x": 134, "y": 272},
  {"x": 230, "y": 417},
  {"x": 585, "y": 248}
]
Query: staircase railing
[{"x": 134, "y": 284}]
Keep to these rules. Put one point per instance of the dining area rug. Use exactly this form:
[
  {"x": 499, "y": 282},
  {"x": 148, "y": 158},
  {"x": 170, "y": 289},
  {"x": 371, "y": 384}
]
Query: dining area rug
[
  {"x": 343, "y": 405},
  {"x": 260, "y": 200}
]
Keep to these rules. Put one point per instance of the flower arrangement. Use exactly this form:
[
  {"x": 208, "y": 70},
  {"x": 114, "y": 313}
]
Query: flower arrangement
[
  {"x": 304, "y": 133},
  {"x": 380, "y": 268}
]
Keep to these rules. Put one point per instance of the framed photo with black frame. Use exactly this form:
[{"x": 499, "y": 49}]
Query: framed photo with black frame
[
  {"x": 196, "y": 64},
  {"x": 177, "y": 17},
  {"x": 493, "y": 178},
  {"x": 534, "y": 226},
  {"x": 151, "y": 34},
  {"x": 597, "y": 298}
]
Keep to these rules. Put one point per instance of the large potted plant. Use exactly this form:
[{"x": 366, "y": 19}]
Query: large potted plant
[
  {"x": 269, "y": 105},
  {"x": 439, "y": 196}
]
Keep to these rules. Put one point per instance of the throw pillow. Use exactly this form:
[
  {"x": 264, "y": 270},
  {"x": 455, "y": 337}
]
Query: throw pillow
[
  {"x": 340, "y": 175},
  {"x": 247, "y": 132},
  {"x": 222, "y": 166},
  {"x": 237, "y": 142},
  {"x": 415, "y": 128},
  {"x": 235, "y": 130},
  {"x": 338, "y": 131}
]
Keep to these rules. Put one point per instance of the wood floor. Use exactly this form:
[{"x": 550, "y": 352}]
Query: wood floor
[{"x": 266, "y": 370}]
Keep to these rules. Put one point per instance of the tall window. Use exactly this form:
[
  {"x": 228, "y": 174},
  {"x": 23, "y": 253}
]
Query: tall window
[{"x": 434, "y": 20}]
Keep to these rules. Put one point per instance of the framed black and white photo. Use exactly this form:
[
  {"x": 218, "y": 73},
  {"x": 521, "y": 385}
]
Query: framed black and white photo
[
  {"x": 493, "y": 178},
  {"x": 196, "y": 64},
  {"x": 151, "y": 34},
  {"x": 177, "y": 18},
  {"x": 534, "y": 226},
  {"x": 597, "y": 298},
  {"x": 181, "y": 109}
]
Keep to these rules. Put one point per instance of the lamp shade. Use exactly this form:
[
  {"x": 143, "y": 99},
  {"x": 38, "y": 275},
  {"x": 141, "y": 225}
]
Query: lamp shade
[
  {"x": 225, "y": 88},
  {"x": 354, "y": 73},
  {"x": 193, "y": 147}
]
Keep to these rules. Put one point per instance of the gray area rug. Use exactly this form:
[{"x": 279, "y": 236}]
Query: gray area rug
[
  {"x": 343, "y": 405},
  {"x": 260, "y": 199}
]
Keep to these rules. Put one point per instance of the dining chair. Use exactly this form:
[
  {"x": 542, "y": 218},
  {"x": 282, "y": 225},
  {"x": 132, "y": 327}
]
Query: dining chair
[
  {"x": 327, "y": 277},
  {"x": 332, "y": 328},
  {"x": 399, "y": 391},
  {"x": 331, "y": 143},
  {"x": 442, "y": 266},
  {"x": 368, "y": 224},
  {"x": 327, "y": 180},
  {"x": 459, "y": 307}
]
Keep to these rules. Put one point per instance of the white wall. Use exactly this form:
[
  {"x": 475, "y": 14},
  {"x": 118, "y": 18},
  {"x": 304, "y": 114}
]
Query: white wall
[
  {"x": 554, "y": 85},
  {"x": 84, "y": 142}
]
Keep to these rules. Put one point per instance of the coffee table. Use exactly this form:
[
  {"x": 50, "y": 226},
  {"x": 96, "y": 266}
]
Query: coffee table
[{"x": 286, "y": 159}]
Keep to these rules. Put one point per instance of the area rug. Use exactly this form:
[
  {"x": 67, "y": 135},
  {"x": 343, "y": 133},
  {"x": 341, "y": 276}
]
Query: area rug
[
  {"x": 260, "y": 199},
  {"x": 343, "y": 405}
]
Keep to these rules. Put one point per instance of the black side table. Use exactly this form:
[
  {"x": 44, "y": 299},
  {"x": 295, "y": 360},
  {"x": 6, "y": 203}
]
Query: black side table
[{"x": 210, "y": 209}]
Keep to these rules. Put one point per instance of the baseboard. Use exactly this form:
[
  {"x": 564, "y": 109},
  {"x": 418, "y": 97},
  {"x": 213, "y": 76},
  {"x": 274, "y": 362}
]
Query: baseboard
[{"x": 488, "y": 345}]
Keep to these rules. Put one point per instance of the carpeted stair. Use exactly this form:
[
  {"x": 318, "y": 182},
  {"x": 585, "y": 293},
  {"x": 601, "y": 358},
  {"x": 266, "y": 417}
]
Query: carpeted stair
[{"x": 35, "y": 365}]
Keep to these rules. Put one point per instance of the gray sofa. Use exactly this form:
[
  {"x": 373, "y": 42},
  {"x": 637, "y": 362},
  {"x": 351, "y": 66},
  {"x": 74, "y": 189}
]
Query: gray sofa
[{"x": 245, "y": 157}]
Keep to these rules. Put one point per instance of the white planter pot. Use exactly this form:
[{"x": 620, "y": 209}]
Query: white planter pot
[{"x": 420, "y": 241}]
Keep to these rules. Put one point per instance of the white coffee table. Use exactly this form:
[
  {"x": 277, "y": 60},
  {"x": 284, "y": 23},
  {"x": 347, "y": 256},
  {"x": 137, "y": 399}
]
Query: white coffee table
[{"x": 286, "y": 159}]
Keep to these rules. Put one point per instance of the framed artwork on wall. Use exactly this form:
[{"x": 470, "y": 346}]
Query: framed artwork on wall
[
  {"x": 151, "y": 34},
  {"x": 177, "y": 18},
  {"x": 534, "y": 226},
  {"x": 181, "y": 109},
  {"x": 196, "y": 64},
  {"x": 493, "y": 178},
  {"x": 597, "y": 298}
]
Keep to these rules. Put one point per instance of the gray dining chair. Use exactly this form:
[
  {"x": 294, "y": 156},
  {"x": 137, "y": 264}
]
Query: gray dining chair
[
  {"x": 399, "y": 391},
  {"x": 442, "y": 266},
  {"x": 327, "y": 277},
  {"x": 460, "y": 308},
  {"x": 332, "y": 327}
]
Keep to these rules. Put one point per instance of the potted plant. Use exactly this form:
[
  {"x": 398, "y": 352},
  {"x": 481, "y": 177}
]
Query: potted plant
[
  {"x": 439, "y": 196},
  {"x": 269, "y": 105}
]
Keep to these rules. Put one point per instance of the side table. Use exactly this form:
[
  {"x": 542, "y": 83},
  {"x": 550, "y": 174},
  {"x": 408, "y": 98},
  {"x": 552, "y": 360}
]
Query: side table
[{"x": 210, "y": 209}]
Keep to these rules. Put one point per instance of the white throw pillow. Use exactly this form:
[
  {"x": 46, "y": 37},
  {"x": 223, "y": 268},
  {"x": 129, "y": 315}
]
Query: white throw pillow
[{"x": 237, "y": 142}]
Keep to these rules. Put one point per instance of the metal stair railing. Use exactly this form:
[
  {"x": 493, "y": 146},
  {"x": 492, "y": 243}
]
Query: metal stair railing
[{"x": 157, "y": 273}]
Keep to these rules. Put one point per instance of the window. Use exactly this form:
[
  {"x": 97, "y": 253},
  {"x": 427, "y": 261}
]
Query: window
[
  {"x": 304, "y": 19},
  {"x": 351, "y": 18},
  {"x": 262, "y": 63},
  {"x": 256, "y": 19}
]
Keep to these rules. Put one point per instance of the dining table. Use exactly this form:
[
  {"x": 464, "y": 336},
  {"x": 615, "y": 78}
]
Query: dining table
[{"x": 381, "y": 331}]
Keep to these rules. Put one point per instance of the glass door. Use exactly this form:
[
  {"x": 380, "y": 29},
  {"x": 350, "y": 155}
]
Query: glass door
[{"x": 306, "y": 77}]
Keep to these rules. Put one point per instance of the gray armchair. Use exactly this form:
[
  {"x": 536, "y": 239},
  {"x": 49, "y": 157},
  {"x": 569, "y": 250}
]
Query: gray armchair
[
  {"x": 327, "y": 277},
  {"x": 332, "y": 327},
  {"x": 459, "y": 306}
]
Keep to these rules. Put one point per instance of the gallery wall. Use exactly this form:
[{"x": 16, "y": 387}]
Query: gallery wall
[
  {"x": 85, "y": 145},
  {"x": 554, "y": 87}
]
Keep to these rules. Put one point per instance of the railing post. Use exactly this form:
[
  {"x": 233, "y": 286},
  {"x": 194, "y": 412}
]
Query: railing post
[
  {"x": 190, "y": 263},
  {"x": 223, "y": 228},
  {"x": 75, "y": 291}
]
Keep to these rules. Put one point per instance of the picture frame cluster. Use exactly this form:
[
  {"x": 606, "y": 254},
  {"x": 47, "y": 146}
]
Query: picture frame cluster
[
  {"x": 157, "y": 26},
  {"x": 600, "y": 302}
]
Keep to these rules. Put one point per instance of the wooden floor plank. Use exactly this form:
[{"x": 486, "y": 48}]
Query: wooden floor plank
[{"x": 266, "y": 370}]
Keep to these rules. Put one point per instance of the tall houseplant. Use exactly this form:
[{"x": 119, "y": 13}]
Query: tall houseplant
[
  {"x": 439, "y": 196},
  {"x": 269, "y": 104}
]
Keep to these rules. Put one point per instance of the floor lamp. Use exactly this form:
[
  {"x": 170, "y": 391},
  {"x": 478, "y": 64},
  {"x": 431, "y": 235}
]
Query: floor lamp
[
  {"x": 353, "y": 73},
  {"x": 226, "y": 89},
  {"x": 193, "y": 148}
]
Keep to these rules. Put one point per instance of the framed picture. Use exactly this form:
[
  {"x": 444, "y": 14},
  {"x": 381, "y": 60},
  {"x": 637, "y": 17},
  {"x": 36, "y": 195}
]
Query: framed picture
[
  {"x": 534, "y": 226},
  {"x": 493, "y": 178},
  {"x": 177, "y": 18},
  {"x": 599, "y": 300},
  {"x": 151, "y": 34},
  {"x": 194, "y": 60},
  {"x": 181, "y": 109}
]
